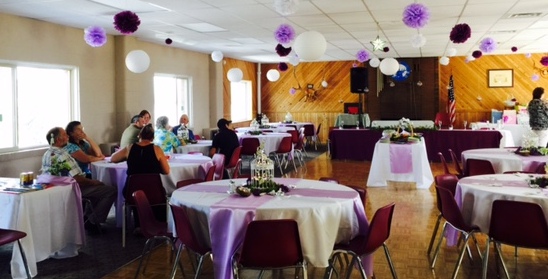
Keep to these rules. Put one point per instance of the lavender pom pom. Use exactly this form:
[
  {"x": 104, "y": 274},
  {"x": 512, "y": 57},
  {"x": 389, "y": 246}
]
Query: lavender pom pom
[
  {"x": 488, "y": 45},
  {"x": 282, "y": 51},
  {"x": 460, "y": 33},
  {"x": 95, "y": 36},
  {"x": 292, "y": 91},
  {"x": 416, "y": 15},
  {"x": 477, "y": 54},
  {"x": 544, "y": 61},
  {"x": 283, "y": 66},
  {"x": 535, "y": 77},
  {"x": 362, "y": 55},
  {"x": 284, "y": 34},
  {"x": 126, "y": 22}
]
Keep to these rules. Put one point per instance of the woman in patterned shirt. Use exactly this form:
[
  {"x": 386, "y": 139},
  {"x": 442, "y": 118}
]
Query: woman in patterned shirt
[
  {"x": 538, "y": 116},
  {"x": 81, "y": 147},
  {"x": 163, "y": 137}
]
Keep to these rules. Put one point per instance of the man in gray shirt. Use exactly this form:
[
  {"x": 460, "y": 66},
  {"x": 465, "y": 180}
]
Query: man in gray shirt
[{"x": 130, "y": 134}]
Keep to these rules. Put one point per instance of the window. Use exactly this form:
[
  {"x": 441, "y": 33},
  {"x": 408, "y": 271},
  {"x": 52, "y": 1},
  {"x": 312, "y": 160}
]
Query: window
[
  {"x": 172, "y": 98},
  {"x": 240, "y": 101},
  {"x": 34, "y": 100}
]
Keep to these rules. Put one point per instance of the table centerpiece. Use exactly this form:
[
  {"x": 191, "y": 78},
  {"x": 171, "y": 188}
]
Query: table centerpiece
[{"x": 402, "y": 136}]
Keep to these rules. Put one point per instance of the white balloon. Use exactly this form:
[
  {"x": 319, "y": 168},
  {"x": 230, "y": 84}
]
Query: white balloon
[
  {"x": 137, "y": 61},
  {"x": 324, "y": 84},
  {"x": 217, "y": 56},
  {"x": 310, "y": 45},
  {"x": 389, "y": 66},
  {"x": 273, "y": 75},
  {"x": 444, "y": 60},
  {"x": 418, "y": 40},
  {"x": 451, "y": 52},
  {"x": 374, "y": 62},
  {"x": 235, "y": 75}
]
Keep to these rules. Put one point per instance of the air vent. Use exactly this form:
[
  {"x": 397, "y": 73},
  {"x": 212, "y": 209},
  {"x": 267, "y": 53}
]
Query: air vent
[
  {"x": 502, "y": 32},
  {"x": 525, "y": 15}
]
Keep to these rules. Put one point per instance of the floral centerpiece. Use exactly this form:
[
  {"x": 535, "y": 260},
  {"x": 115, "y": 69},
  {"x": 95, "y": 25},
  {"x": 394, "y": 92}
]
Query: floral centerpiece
[
  {"x": 262, "y": 172},
  {"x": 541, "y": 181},
  {"x": 401, "y": 135},
  {"x": 59, "y": 167}
]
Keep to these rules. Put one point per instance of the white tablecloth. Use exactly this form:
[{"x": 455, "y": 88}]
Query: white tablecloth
[
  {"x": 201, "y": 146},
  {"x": 298, "y": 124},
  {"x": 271, "y": 140},
  {"x": 516, "y": 131},
  {"x": 182, "y": 166},
  {"x": 48, "y": 217},
  {"x": 504, "y": 159},
  {"x": 381, "y": 171},
  {"x": 326, "y": 213},
  {"x": 391, "y": 123},
  {"x": 276, "y": 128}
]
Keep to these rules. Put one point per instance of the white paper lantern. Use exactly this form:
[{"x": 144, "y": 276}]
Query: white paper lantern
[
  {"x": 444, "y": 61},
  {"x": 137, "y": 61},
  {"x": 418, "y": 40},
  {"x": 389, "y": 66},
  {"x": 235, "y": 75},
  {"x": 273, "y": 75},
  {"x": 324, "y": 84},
  {"x": 374, "y": 62},
  {"x": 293, "y": 58},
  {"x": 217, "y": 56},
  {"x": 451, "y": 52},
  {"x": 310, "y": 45}
]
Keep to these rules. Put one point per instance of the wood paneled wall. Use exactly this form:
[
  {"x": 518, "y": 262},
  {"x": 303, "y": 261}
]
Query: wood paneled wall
[{"x": 474, "y": 99}]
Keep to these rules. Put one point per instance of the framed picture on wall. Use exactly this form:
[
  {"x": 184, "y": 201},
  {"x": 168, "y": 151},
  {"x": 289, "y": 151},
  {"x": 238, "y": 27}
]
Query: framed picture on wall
[{"x": 500, "y": 78}]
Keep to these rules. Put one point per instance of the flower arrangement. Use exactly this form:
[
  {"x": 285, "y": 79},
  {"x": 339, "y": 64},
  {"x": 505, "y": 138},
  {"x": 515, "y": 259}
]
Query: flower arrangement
[
  {"x": 533, "y": 151},
  {"x": 58, "y": 167},
  {"x": 541, "y": 181},
  {"x": 404, "y": 136}
]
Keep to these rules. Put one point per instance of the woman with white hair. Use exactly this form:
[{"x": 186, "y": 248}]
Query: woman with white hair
[{"x": 163, "y": 137}]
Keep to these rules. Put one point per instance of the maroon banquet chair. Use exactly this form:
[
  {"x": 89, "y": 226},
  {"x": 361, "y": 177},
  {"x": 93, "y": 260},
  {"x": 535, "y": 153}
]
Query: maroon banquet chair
[
  {"x": 456, "y": 162},
  {"x": 444, "y": 163},
  {"x": 283, "y": 252},
  {"x": 442, "y": 117},
  {"x": 9, "y": 236},
  {"x": 249, "y": 147},
  {"x": 516, "y": 223},
  {"x": 234, "y": 161},
  {"x": 448, "y": 181},
  {"x": 309, "y": 133},
  {"x": 478, "y": 167},
  {"x": 283, "y": 152}
]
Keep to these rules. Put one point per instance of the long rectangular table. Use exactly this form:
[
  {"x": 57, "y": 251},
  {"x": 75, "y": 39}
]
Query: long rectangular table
[{"x": 358, "y": 144}]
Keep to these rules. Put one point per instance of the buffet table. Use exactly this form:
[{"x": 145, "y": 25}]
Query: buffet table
[
  {"x": 351, "y": 119},
  {"x": 182, "y": 167},
  {"x": 358, "y": 144},
  {"x": 396, "y": 123},
  {"x": 221, "y": 219},
  {"x": 51, "y": 218},
  {"x": 400, "y": 162}
]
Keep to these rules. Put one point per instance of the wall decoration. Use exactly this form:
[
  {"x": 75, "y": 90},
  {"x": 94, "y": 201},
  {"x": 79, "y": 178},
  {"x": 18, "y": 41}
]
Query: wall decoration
[{"x": 500, "y": 78}]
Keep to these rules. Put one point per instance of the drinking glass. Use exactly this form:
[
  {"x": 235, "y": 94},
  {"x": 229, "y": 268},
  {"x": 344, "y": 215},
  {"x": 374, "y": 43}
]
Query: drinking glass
[
  {"x": 341, "y": 124},
  {"x": 465, "y": 123},
  {"x": 357, "y": 124},
  {"x": 439, "y": 125}
]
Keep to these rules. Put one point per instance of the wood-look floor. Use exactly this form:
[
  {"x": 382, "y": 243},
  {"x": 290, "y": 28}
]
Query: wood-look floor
[{"x": 414, "y": 218}]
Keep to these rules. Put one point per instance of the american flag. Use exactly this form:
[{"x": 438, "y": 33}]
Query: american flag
[{"x": 451, "y": 101}]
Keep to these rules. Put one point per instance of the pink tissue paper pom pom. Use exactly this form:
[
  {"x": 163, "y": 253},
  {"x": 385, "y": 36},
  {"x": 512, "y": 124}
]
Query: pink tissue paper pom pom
[
  {"x": 126, "y": 22},
  {"x": 95, "y": 36},
  {"x": 416, "y": 15}
]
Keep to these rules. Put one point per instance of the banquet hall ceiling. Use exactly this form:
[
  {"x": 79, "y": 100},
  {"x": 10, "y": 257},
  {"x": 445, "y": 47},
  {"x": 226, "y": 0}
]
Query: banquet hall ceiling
[{"x": 244, "y": 29}]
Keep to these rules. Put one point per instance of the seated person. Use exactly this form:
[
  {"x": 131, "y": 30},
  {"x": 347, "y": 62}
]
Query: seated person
[
  {"x": 143, "y": 157},
  {"x": 163, "y": 137},
  {"x": 183, "y": 122},
  {"x": 101, "y": 196},
  {"x": 224, "y": 142},
  {"x": 146, "y": 116},
  {"x": 81, "y": 147},
  {"x": 129, "y": 135}
]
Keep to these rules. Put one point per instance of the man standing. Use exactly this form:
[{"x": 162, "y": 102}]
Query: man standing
[
  {"x": 183, "y": 123},
  {"x": 130, "y": 134},
  {"x": 224, "y": 142},
  {"x": 101, "y": 196}
]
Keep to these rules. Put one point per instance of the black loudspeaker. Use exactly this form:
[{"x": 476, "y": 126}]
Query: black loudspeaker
[{"x": 358, "y": 80}]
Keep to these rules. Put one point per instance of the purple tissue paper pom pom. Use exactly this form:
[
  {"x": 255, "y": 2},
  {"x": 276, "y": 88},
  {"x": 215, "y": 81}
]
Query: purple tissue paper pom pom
[
  {"x": 544, "y": 61},
  {"x": 416, "y": 15},
  {"x": 477, "y": 54},
  {"x": 292, "y": 91},
  {"x": 283, "y": 66},
  {"x": 169, "y": 41},
  {"x": 514, "y": 49},
  {"x": 282, "y": 51},
  {"x": 362, "y": 55},
  {"x": 284, "y": 34},
  {"x": 460, "y": 33},
  {"x": 126, "y": 22},
  {"x": 488, "y": 45},
  {"x": 535, "y": 77},
  {"x": 95, "y": 36},
  {"x": 386, "y": 49}
]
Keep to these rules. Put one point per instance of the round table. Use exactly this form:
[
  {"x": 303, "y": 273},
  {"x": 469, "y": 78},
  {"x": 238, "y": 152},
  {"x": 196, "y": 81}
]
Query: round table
[
  {"x": 182, "y": 166},
  {"x": 279, "y": 129},
  {"x": 504, "y": 159},
  {"x": 201, "y": 146},
  {"x": 271, "y": 140},
  {"x": 326, "y": 213}
]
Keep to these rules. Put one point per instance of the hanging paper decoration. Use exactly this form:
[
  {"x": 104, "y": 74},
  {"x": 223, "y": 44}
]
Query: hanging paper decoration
[
  {"x": 477, "y": 54},
  {"x": 284, "y": 34},
  {"x": 514, "y": 49},
  {"x": 169, "y": 41},
  {"x": 460, "y": 33},
  {"x": 386, "y": 49},
  {"x": 282, "y": 66},
  {"x": 403, "y": 73},
  {"x": 488, "y": 45},
  {"x": 126, "y": 22},
  {"x": 292, "y": 91},
  {"x": 444, "y": 61},
  {"x": 416, "y": 15},
  {"x": 95, "y": 36},
  {"x": 362, "y": 55},
  {"x": 286, "y": 7},
  {"x": 451, "y": 52},
  {"x": 418, "y": 40},
  {"x": 282, "y": 51},
  {"x": 535, "y": 77},
  {"x": 378, "y": 44},
  {"x": 217, "y": 56},
  {"x": 272, "y": 75},
  {"x": 544, "y": 61}
]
